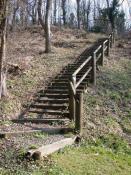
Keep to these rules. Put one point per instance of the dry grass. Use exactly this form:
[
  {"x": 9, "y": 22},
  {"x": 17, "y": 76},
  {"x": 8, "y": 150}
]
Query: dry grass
[
  {"x": 26, "y": 49},
  {"x": 108, "y": 106}
]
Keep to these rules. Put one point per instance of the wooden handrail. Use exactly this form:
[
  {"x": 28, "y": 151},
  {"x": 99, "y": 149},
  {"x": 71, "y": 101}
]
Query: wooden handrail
[
  {"x": 106, "y": 41},
  {"x": 83, "y": 77},
  {"x": 99, "y": 47},
  {"x": 72, "y": 87},
  {"x": 105, "y": 48},
  {"x": 82, "y": 65},
  {"x": 96, "y": 58}
]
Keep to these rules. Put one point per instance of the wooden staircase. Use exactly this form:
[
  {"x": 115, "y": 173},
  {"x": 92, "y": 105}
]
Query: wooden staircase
[{"x": 52, "y": 103}]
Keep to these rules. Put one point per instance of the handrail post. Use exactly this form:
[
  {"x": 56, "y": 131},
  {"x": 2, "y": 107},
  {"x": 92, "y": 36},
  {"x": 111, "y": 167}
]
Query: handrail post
[
  {"x": 93, "y": 77},
  {"x": 72, "y": 99},
  {"x": 102, "y": 57},
  {"x": 111, "y": 40},
  {"x": 79, "y": 112},
  {"x": 108, "y": 47},
  {"x": 113, "y": 37}
]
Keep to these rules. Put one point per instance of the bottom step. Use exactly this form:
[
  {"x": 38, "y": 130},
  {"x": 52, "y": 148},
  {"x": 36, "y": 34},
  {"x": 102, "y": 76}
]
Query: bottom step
[
  {"x": 59, "y": 130},
  {"x": 40, "y": 120}
]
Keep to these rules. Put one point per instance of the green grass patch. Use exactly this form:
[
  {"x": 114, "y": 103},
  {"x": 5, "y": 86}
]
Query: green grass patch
[
  {"x": 41, "y": 135},
  {"x": 108, "y": 155}
]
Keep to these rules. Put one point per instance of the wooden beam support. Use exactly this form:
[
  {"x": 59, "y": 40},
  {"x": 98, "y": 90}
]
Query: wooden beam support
[
  {"x": 79, "y": 112},
  {"x": 108, "y": 48},
  {"x": 94, "y": 69},
  {"x": 72, "y": 93},
  {"x": 102, "y": 58},
  {"x": 46, "y": 150}
]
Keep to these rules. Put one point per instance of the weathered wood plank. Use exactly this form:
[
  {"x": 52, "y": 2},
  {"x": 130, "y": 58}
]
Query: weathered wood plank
[
  {"x": 83, "y": 77},
  {"x": 79, "y": 112},
  {"x": 82, "y": 65},
  {"x": 51, "y": 148}
]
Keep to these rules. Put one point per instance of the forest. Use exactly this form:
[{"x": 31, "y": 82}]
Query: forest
[{"x": 65, "y": 87}]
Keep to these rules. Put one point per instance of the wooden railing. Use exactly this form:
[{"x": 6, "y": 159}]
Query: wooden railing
[{"x": 90, "y": 67}]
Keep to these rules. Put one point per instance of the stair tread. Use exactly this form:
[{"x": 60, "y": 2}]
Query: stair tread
[
  {"x": 49, "y": 106},
  {"x": 47, "y": 112},
  {"x": 43, "y": 120}
]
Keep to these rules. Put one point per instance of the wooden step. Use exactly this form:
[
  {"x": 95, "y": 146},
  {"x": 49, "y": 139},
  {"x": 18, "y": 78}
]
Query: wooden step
[
  {"x": 50, "y": 106},
  {"x": 60, "y": 80},
  {"x": 53, "y": 101},
  {"x": 60, "y": 91},
  {"x": 70, "y": 74},
  {"x": 53, "y": 90},
  {"x": 59, "y": 96},
  {"x": 63, "y": 87},
  {"x": 58, "y": 83},
  {"x": 46, "y": 120},
  {"x": 73, "y": 69},
  {"x": 49, "y": 112},
  {"x": 57, "y": 87},
  {"x": 66, "y": 76}
]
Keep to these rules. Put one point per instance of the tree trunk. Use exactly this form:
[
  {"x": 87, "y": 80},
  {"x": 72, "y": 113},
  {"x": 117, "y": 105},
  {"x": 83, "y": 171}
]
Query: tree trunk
[
  {"x": 64, "y": 11},
  {"x": 16, "y": 7},
  {"x": 88, "y": 13},
  {"x": 40, "y": 14},
  {"x": 3, "y": 25},
  {"x": 78, "y": 13},
  {"x": 55, "y": 11},
  {"x": 94, "y": 13},
  {"x": 47, "y": 27}
]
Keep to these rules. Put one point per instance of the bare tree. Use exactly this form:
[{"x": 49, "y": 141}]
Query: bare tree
[
  {"x": 32, "y": 10},
  {"x": 88, "y": 10},
  {"x": 112, "y": 11},
  {"x": 55, "y": 11},
  {"x": 78, "y": 13},
  {"x": 63, "y": 5},
  {"x": 94, "y": 12},
  {"x": 15, "y": 9},
  {"x": 47, "y": 27},
  {"x": 85, "y": 12},
  {"x": 3, "y": 25},
  {"x": 46, "y": 23}
]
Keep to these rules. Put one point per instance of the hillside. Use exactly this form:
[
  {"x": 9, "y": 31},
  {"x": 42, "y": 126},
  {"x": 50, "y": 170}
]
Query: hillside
[
  {"x": 106, "y": 137},
  {"x": 30, "y": 69}
]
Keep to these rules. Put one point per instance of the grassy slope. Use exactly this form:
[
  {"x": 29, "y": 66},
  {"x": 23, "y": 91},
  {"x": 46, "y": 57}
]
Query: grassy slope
[
  {"x": 107, "y": 121},
  {"x": 108, "y": 106},
  {"x": 94, "y": 160},
  {"x": 26, "y": 49},
  {"x": 107, "y": 111},
  {"x": 107, "y": 118},
  {"x": 109, "y": 155}
]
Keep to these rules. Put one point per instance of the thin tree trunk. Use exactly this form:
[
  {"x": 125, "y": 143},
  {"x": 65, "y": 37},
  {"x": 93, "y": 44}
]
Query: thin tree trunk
[
  {"x": 16, "y": 7},
  {"x": 55, "y": 11},
  {"x": 64, "y": 11},
  {"x": 40, "y": 14},
  {"x": 88, "y": 13},
  {"x": 78, "y": 13},
  {"x": 47, "y": 27},
  {"x": 3, "y": 25}
]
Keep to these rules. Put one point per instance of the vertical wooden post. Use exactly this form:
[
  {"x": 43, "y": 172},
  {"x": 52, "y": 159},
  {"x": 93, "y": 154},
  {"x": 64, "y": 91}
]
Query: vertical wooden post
[
  {"x": 79, "y": 112},
  {"x": 113, "y": 37},
  {"x": 111, "y": 40},
  {"x": 72, "y": 99},
  {"x": 102, "y": 57},
  {"x": 94, "y": 68},
  {"x": 108, "y": 47}
]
